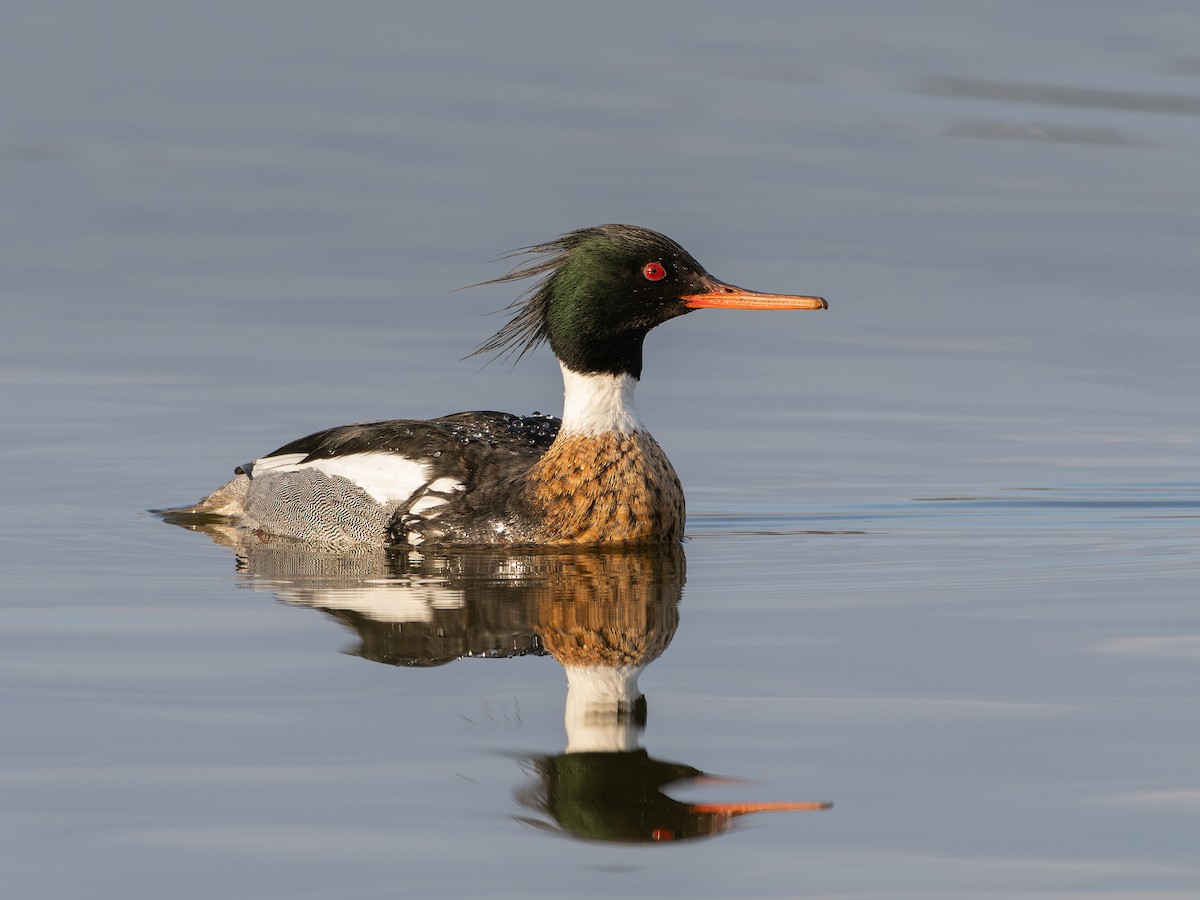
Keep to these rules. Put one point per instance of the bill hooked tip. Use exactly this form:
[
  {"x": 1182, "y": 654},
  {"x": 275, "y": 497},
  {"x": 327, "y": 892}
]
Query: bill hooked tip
[{"x": 728, "y": 296}]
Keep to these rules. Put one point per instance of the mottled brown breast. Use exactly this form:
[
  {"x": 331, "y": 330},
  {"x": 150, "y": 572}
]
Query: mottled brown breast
[{"x": 607, "y": 489}]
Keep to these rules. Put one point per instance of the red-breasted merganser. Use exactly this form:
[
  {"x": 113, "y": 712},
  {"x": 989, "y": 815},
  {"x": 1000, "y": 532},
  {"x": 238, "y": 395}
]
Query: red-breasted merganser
[{"x": 596, "y": 477}]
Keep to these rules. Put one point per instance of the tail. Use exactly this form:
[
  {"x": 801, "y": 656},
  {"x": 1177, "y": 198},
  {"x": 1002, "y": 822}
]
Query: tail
[{"x": 226, "y": 502}]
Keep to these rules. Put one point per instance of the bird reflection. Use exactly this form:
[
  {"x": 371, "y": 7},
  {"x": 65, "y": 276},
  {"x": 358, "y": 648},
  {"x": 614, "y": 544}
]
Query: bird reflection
[{"x": 604, "y": 615}]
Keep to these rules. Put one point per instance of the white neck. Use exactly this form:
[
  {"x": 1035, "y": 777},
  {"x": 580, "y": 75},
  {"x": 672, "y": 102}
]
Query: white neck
[
  {"x": 598, "y": 404},
  {"x": 600, "y": 705}
]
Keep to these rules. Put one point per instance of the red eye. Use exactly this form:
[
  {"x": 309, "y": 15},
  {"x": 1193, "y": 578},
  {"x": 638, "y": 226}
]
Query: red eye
[{"x": 654, "y": 272}]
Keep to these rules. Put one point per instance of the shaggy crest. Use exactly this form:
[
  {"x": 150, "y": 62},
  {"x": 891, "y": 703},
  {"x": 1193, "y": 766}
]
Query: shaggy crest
[{"x": 527, "y": 328}]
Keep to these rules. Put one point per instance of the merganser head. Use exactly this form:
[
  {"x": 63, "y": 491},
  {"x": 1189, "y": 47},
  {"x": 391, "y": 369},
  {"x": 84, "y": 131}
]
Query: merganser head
[{"x": 604, "y": 289}]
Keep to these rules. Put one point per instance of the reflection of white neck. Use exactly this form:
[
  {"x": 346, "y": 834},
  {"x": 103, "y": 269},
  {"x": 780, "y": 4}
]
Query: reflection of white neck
[
  {"x": 598, "y": 404},
  {"x": 600, "y": 708}
]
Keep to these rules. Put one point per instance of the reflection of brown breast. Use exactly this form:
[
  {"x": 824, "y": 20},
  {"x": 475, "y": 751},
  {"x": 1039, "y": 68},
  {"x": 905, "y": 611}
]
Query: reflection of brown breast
[
  {"x": 607, "y": 489},
  {"x": 609, "y": 608}
]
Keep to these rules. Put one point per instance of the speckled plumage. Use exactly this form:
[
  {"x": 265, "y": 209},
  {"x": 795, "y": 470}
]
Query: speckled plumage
[{"x": 607, "y": 489}]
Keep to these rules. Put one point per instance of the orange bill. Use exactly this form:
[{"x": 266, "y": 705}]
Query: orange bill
[{"x": 727, "y": 296}]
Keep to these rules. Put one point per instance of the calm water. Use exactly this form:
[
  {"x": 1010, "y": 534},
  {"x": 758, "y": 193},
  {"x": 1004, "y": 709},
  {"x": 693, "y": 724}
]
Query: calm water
[{"x": 943, "y": 563}]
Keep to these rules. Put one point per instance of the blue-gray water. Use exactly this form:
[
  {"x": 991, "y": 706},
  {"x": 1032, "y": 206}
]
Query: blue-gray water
[{"x": 943, "y": 564}]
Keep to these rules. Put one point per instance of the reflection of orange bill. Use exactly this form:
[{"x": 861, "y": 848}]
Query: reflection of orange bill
[{"x": 741, "y": 809}]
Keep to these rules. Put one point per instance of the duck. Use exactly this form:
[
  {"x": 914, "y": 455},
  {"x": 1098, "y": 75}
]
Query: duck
[{"x": 594, "y": 477}]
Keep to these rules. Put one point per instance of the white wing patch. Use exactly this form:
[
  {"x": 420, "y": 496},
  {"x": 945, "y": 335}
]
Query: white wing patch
[
  {"x": 427, "y": 502},
  {"x": 386, "y": 477},
  {"x": 285, "y": 462},
  {"x": 434, "y": 496}
]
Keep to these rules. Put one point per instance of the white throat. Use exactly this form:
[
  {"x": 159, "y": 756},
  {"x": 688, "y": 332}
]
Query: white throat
[{"x": 598, "y": 404}]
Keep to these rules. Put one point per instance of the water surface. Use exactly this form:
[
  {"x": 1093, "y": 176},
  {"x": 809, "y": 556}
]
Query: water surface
[{"x": 941, "y": 567}]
